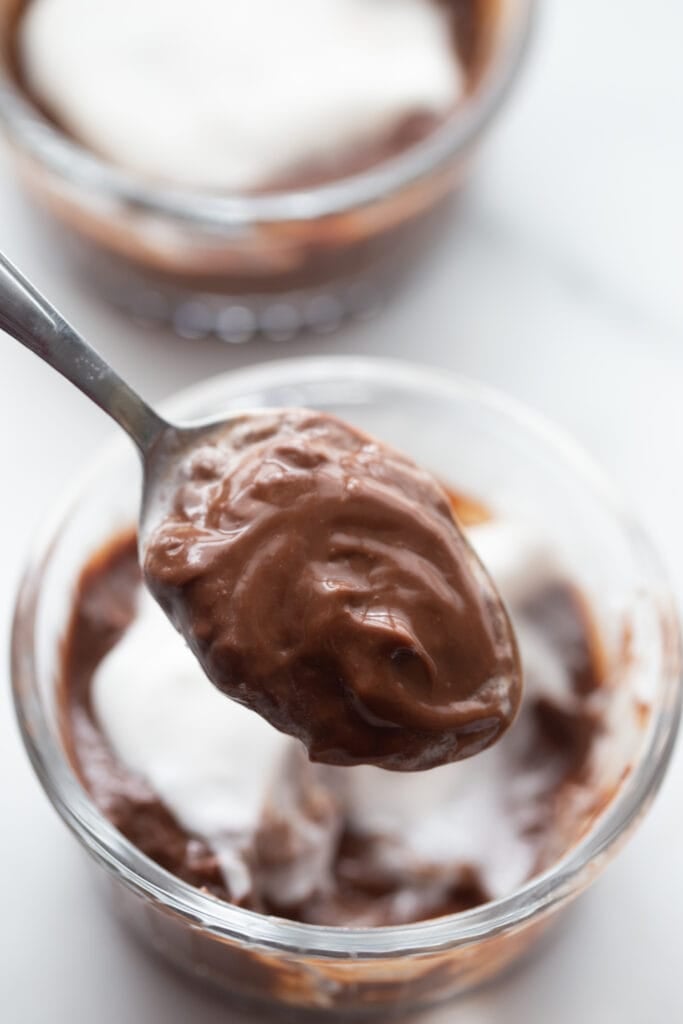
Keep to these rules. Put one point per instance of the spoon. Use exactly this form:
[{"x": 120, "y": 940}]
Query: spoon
[
  {"x": 375, "y": 634},
  {"x": 32, "y": 320}
]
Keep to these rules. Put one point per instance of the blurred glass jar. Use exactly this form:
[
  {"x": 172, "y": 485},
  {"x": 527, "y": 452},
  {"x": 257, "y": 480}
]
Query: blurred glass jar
[
  {"x": 506, "y": 458},
  {"x": 241, "y": 264}
]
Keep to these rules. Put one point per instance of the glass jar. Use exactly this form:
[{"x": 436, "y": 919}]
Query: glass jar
[
  {"x": 495, "y": 451},
  {"x": 241, "y": 264}
]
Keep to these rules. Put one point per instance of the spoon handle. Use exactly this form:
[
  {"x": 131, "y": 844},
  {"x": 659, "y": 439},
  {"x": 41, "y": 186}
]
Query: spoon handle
[{"x": 33, "y": 321}]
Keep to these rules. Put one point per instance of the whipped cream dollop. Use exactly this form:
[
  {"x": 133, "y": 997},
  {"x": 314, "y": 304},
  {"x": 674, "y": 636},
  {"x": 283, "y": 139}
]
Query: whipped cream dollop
[
  {"x": 236, "y": 95},
  {"x": 211, "y": 761}
]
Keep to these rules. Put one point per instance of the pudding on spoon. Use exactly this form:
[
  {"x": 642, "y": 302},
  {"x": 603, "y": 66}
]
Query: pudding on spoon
[{"x": 318, "y": 576}]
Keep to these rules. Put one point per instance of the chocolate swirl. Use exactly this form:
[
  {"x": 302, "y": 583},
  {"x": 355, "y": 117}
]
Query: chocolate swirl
[{"x": 321, "y": 579}]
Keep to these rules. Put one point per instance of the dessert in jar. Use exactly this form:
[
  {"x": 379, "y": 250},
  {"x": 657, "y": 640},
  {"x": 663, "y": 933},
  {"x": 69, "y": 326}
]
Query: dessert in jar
[
  {"x": 239, "y": 168},
  {"x": 238, "y": 857}
]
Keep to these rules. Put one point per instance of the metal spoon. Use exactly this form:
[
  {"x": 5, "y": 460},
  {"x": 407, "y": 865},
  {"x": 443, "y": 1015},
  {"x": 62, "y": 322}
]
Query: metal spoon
[
  {"x": 28, "y": 317},
  {"x": 32, "y": 320}
]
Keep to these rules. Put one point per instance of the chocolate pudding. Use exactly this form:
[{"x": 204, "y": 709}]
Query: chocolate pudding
[
  {"x": 214, "y": 794},
  {"x": 321, "y": 580}
]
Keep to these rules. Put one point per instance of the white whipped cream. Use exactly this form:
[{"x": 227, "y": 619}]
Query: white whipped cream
[
  {"x": 516, "y": 556},
  {"x": 211, "y": 761},
  {"x": 230, "y": 94}
]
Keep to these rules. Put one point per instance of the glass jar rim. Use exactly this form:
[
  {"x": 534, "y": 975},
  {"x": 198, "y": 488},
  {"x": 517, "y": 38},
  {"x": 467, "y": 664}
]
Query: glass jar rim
[
  {"x": 42, "y": 141},
  {"x": 539, "y": 895}
]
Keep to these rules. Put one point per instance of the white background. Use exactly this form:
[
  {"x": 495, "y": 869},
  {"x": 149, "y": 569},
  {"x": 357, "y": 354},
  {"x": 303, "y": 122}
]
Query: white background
[{"x": 561, "y": 281}]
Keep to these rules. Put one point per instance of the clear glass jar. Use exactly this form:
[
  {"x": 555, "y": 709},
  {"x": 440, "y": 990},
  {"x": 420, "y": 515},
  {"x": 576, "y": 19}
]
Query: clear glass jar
[
  {"x": 275, "y": 263},
  {"x": 491, "y": 449}
]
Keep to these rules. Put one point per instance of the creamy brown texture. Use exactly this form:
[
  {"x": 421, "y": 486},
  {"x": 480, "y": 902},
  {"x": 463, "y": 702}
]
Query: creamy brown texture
[
  {"x": 375, "y": 876},
  {"x": 320, "y": 579}
]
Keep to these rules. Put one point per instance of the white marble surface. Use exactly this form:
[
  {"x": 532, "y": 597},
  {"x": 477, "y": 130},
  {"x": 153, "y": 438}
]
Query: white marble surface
[{"x": 561, "y": 281}]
